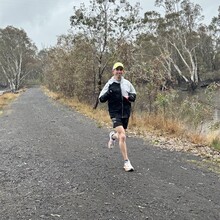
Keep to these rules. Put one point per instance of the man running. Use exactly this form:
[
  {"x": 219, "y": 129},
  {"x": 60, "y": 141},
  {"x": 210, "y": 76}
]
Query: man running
[{"x": 119, "y": 93}]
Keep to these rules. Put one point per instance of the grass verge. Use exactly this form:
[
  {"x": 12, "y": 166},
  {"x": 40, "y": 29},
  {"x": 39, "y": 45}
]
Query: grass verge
[
  {"x": 5, "y": 99},
  {"x": 163, "y": 133}
]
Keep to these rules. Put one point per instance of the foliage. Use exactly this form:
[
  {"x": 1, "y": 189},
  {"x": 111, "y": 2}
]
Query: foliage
[
  {"x": 105, "y": 22},
  {"x": 159, "y": 51},
  {"x": 6, "y": 98},
  {"x": 210, "y": 90},
  {"x": 17, "y": 56},
  {"x": 214, "y": 29},
  {"x": 71, "y": 68},
  {"x": 216, "y": 143},
  {"x": 177, "y": 37},
  {"x": 165, "y": 102}
]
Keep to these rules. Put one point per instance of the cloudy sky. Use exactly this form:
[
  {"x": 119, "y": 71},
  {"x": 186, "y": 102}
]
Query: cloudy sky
[{"x": 44, "y": 20}]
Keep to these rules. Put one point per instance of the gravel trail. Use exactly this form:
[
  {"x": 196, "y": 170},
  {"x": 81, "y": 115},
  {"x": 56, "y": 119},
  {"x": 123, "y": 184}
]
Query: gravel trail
[{"x": 54, "y": 164}]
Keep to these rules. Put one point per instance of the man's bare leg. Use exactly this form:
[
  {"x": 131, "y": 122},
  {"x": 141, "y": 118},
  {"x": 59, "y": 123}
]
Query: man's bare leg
[{"x": 121, "y": 136}]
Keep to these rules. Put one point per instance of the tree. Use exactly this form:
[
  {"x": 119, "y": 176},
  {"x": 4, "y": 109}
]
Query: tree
[
  {"x": 177, "y": 37},
  {"x": 68, "y": 67},
  {"x": 214, "y": 29},
  {"x": 16, "y": 56},
  {"x": 103, "y": 22}
]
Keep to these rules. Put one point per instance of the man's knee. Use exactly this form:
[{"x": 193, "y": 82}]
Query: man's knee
[{"x": 122, "y": 136}]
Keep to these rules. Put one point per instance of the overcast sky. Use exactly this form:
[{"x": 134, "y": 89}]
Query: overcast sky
[{"x": 45, "y": 20}]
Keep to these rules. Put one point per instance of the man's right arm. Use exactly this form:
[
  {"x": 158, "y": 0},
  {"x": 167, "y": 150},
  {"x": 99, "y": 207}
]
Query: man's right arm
[
  {"x": 104, "y": 94},
  {"x": 104, "y": 97}
]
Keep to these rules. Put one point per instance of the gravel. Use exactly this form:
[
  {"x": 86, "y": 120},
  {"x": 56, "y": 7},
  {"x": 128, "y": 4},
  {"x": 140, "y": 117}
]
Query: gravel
[{"x": 54, "y": 164}]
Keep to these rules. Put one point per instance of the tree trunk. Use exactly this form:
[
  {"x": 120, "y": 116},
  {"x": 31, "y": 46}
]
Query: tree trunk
[{"x": 96, "y": 103}]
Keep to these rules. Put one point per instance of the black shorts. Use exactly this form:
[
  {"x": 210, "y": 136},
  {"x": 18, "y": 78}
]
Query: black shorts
[{"x": 120, "y": 121}]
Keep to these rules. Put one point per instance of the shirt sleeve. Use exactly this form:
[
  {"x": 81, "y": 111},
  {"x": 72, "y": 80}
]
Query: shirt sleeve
[
  {"x": 132, "y": 89},
  {"x": 104, "y": 90}
]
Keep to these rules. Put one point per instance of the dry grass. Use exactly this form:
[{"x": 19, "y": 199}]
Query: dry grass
[
  {"x": 213, "y": 140},
  {"x": 197, "y": 138},
  {"x": 155, "y": 123},
  {"x": 141, "y": 124},
  {"x": 6, "y": 98}
]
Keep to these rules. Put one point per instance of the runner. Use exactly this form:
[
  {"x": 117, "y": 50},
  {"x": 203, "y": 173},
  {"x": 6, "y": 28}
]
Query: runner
[{"x": 119, "y": 93}]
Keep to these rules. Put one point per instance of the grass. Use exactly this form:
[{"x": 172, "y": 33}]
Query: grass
[
  {"x": 214, "y": 140},
  {"x": 142, "y": 125},
  {"x": 139, "y": 124},
  {"x": 5, "y": 99},
  {"x": 152, "y": 127},
  {"x": 216, "y": 144}
]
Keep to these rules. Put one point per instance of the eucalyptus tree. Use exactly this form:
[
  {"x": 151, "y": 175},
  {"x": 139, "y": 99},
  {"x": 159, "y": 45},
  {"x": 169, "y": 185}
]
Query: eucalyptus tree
[
  {"x": 177, "y": 38},
  {"x": 205, "y": 52},
  {"x": 214, "y": 29},
  {"x": 17, "y": 56},
  {"x": 68, "y": 67},
  {"x": 106, "y": 23}
]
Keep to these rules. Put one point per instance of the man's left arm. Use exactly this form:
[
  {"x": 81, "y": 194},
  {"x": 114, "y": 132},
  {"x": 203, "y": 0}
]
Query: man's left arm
[{"x": 132, "y": 94}]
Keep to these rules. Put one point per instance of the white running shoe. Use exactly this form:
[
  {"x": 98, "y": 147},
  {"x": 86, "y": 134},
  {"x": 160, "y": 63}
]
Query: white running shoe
[
  {"x": 111, "y": 142},
  {"x": 128, "y": 167}
]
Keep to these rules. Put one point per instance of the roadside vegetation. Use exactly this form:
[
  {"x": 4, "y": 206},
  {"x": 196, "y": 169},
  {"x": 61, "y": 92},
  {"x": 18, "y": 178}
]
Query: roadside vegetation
[
  {"x": 163, "y": 54},
  {"x": 5, "y": 99},
  {"x": 160, "y": 131}
]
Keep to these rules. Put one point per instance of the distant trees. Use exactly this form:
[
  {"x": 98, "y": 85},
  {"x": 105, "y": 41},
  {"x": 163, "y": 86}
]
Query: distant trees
[
  {"x": 68, "y": 67},
  {"x": 159, "y": 50},
  {"x": 106, "y": 24},
  {"x": 214, "y": 29},
  {"x": 17, "y": 56},
  {"x": 178, "y": 38}
]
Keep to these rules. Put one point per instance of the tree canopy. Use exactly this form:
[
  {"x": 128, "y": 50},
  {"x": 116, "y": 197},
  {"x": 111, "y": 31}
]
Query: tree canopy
[{"x": 17, "y": 56}]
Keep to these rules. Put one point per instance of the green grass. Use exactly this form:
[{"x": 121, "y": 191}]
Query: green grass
[{"x": 216, "y": 144}]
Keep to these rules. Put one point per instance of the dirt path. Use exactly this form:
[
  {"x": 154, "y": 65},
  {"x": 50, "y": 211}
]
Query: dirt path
[{"x": 54, "y": 164}]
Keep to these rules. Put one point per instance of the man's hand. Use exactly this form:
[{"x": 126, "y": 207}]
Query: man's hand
[
  {"x": 106, "y": 96},
  {"x": 131, "y": 97}
]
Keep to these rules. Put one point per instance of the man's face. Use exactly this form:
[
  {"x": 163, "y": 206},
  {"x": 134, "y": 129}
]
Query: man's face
[{"x": 118, "y": 72}]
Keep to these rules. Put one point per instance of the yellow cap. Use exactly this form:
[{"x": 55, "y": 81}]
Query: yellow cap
[{"x": 117, "y": 65}]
